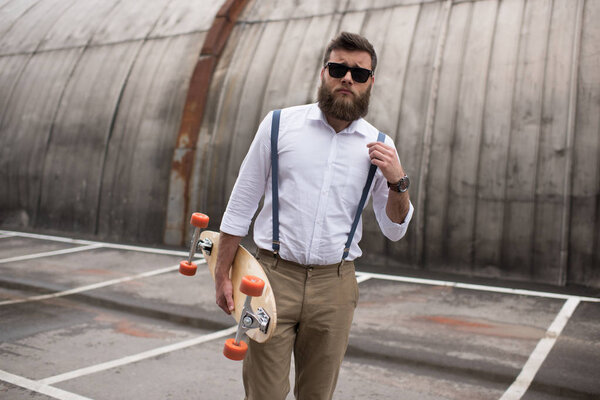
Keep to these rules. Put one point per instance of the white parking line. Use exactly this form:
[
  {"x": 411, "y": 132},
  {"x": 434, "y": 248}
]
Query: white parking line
[
  {"x": 43, "y": 386},
  {"x": 39, "y": 387},
  {"x": 88, "y": 242},
  {"x": 51, "y": 253},
  {"x": 536, "y": 359},
  {"x": 482, "y": 288},
  {"x": 45, "y": 237},
  {"x": 360, "y": 277},
  {"x": 139, "y": 357},
  {"x": 95, "y": 285},
  {"x": 146, "y": 249}
]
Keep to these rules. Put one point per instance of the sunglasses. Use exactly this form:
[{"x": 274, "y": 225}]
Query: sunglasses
[{"x": 360, "y": 75}]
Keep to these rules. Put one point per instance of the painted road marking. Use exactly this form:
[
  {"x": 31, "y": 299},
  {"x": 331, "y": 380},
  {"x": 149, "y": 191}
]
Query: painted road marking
[
  {"x": 139, "y": 357},
  {"x": 88, "y": 242},
  {"x": 39, "y": 387},
  {"x": 146, "y": 249},
  {"x": 43, "y": 386},
  {"x": 482, "y": 288},
  {"x": 95, "y": 285},
  {"x": 360, "y": 278},
  {"x": 45, "y": 237},
  {"x": 536, "y": 359},
  {"x": 51, "y": 253}
]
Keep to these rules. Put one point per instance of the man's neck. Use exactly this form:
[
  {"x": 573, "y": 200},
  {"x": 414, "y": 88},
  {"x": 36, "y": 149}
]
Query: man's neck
[{"x": 338, "y": 125}]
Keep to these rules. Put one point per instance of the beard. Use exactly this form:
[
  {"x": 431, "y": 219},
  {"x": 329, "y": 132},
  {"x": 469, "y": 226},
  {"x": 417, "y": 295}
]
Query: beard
[{"x": 341, "y": 108}]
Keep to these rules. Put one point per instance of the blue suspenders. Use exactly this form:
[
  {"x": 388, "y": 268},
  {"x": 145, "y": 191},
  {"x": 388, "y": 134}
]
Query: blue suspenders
[
  {"x": 274, "y": 173},
  {"x": 275, "y": 187},
  {"x": 363, "y": 200}
]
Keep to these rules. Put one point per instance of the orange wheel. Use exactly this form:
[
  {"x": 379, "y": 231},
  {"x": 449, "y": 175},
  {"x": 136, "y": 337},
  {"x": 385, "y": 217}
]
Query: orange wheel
[
  {"x": 199, "y": 220},
  {"x": 187, "y": 268},
  {"x": 252, "y": 286},
  {"x": 235, "y": 351}
]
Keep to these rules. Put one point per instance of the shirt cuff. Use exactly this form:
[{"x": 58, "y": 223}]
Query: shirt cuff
[
  {"x": 231, "y": 228},
  {"x": 396, "y": 231}
]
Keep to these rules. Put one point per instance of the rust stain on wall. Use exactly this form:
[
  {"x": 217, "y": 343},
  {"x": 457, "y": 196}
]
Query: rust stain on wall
[{"x": 193, "y": 113}]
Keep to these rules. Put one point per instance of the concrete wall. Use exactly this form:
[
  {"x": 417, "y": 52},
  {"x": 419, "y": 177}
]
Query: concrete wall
[{"x": 91, "y": 96}]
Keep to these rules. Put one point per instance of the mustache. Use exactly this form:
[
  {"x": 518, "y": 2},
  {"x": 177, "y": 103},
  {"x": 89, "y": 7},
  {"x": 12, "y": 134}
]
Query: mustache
[{"x": 346, "y": 88}]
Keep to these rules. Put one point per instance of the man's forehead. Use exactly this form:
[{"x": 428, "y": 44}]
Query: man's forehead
[{"x": 351, "y": 58}]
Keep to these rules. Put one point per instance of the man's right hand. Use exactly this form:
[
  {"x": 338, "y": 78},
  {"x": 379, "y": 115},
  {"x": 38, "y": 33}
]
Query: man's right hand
[
  {"x": 228, "y": 245},
  {"x": 224, "y": 296}
]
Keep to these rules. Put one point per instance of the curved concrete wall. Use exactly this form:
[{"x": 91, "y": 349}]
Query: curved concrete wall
[
  {"x": 121, "y": 126},
  {"x": 91, "y": 96}
]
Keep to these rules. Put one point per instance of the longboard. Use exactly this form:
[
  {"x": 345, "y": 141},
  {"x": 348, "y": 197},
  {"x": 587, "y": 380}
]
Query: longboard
[{"x": 254, "y": 300}]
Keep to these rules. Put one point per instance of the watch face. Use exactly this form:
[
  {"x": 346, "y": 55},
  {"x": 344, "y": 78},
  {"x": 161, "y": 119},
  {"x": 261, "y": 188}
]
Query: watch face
[{"x": 404, "y": 184}]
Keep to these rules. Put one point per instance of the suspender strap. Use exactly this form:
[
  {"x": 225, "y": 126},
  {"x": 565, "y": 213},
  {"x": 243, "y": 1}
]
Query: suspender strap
[
  {"x": 274, "y": 178},
  {"x": 363, "y": 200}
]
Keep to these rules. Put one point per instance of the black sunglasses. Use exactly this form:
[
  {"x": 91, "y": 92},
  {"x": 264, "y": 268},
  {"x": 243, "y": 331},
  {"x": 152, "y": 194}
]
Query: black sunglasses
[{"x": 360, "y": 75}]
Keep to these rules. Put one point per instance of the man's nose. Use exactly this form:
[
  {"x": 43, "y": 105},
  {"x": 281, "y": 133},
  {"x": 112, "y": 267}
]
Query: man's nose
[{"x": 348, "y": 77}]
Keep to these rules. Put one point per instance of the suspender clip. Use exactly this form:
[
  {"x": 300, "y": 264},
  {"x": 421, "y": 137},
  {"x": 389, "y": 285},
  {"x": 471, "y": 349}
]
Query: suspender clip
[{"x": 275, "y": 248}]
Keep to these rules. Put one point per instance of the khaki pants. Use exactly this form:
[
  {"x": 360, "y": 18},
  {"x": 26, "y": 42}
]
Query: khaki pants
[{"x": 315, "y": 306}]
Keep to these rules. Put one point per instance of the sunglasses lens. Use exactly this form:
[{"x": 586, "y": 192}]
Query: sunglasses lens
[
  {"x": 337, "y": 70},
  {"x": 360, "y": 75}
]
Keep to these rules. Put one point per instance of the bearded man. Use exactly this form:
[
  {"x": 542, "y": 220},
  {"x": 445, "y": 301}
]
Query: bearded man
[{"x": 312, "y": 164}]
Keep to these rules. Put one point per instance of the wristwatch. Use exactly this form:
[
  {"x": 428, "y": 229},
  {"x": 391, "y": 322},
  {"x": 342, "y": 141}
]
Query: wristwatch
[{"x": 401, "y": 186}]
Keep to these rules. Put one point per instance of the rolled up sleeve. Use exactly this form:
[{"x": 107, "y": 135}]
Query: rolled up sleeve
[{"x": 390, "y": 229}]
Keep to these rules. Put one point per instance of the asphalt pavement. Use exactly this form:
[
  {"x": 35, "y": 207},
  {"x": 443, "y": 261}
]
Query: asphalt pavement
[{"x": 82, "y": 319}]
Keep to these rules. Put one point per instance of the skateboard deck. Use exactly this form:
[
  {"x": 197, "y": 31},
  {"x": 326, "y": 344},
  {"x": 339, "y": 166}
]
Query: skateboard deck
[{"x": 245, "y": 264}]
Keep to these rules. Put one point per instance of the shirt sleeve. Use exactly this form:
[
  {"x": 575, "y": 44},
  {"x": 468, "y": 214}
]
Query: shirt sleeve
[
  {"x": 390, "y": 229},
  {"x": 251, "y": 182}
]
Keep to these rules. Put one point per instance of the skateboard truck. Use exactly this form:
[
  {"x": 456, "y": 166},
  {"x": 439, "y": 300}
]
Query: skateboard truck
[
  {"x": 205, "y": 244},
  {"x": 235, "y": 348},
  {"x": 250, "y": 320}
]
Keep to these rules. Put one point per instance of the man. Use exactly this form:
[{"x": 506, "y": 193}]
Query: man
[{"x": 324, "y": 153}]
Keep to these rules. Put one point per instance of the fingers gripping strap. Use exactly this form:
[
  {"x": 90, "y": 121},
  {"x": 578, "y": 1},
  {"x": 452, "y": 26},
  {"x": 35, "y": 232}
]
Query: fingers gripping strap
[
  {"x": 274, "y": 180},
  {"x": 363, "y": 200}
]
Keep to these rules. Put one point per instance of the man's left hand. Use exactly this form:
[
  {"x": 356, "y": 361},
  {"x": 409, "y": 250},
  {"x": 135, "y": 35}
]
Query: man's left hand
[{"x": 386, "y": 159}]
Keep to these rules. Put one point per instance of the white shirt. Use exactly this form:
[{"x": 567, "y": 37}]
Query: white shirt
[{"x": 321, "y": 178}]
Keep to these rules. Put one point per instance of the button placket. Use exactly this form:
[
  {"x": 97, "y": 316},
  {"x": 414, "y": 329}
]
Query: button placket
[{"x": 323, "y": 199}]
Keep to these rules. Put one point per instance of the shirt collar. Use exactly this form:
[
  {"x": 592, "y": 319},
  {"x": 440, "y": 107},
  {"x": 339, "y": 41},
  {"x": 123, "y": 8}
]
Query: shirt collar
[{"x": 359, "y": 126}]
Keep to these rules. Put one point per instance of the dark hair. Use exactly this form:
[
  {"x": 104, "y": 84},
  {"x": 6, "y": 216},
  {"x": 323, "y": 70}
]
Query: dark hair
[{"x": 351, "y": 42}]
